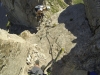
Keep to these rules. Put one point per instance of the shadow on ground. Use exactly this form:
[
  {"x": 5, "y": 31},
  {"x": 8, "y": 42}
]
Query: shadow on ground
[
  {"x": 17, "y": 29},
  {"x": 3, "y": 18},
  {"x": 76, "y": 22}
]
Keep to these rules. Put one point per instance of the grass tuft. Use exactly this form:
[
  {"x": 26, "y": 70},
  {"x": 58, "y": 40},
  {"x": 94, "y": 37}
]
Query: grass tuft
[{"x": 77, "y": 1}]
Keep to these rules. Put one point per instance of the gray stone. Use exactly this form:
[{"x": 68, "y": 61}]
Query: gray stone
[{"x": 92, "y": 12}]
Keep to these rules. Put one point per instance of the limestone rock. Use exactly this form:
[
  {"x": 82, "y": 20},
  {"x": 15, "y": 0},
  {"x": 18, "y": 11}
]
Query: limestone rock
[{"x": 12, "y": 53}]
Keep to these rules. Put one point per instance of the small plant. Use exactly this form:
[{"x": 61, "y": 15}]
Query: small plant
[
  {"x": 56, "y": 4},
  {"x": 77, "y": 1},
  {"x": 62, "y": 50},
  {"x": 8, "y": 24},
  {"x": 62, "y": 4},
  {"x": 54, "y": 10},
  {"x": 54, "y": 25}
]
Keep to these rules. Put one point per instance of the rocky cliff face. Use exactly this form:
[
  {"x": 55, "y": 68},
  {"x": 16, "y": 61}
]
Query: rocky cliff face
[
  {"x": 76, "y": 59},
  {"x": 87, "y": 57},
  {"x": 61, "y": 31},
  {"x": 11, "y": 48},
  {"x": 68, "y": 30},
  {"x": 23, "y": 12},
  {"x": 44, "y": 46},
  {"x": 92, "y": 11}
]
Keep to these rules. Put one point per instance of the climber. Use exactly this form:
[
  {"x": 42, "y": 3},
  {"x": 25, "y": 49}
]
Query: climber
[
  {"x": 39, "y": 11},
  {"x": 36, "y": 70}
]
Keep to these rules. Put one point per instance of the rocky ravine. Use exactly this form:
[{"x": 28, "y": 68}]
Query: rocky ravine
[{"x": 70, "y": 31}]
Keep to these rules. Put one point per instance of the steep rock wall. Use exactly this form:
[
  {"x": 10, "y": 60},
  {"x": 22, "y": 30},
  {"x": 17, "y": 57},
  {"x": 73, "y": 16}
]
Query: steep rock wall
[
  {"x": 87, "y": 58},
  {"x": 23, "y": 12},
  {"x": 10, "y": 52},
  {"x": 45, "y": 45},
  {"x": 82, "y": 56},
  {"x": 92, "y": 12},
  {"x": 73, "y": 36}
]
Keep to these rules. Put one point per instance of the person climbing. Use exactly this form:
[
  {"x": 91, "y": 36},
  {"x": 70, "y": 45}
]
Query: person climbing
[
  {"x": 36, "y": 70},
  {"x": 39, "y": 11}
]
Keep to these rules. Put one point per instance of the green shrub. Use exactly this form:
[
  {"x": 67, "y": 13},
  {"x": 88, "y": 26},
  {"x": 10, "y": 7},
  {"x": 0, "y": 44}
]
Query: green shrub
[
  {"x": 54, "y": 25},
  {"x": 77, "y": 1},
  {"x": 55, "y": 4},
  {"x": 54, "y": 10},
  {"x": 61, "y": 3}
]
